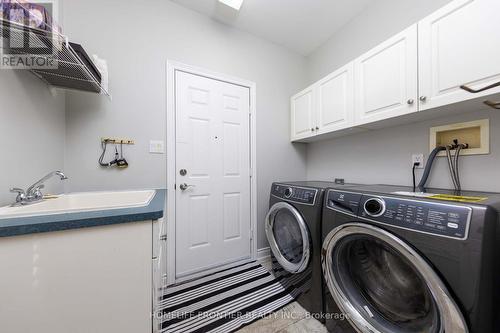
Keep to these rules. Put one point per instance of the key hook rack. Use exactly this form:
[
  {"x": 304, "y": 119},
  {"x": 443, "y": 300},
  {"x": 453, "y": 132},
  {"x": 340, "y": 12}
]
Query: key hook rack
[{"x": 117, "y": 141}]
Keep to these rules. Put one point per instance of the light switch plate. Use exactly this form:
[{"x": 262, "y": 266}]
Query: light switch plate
[{"x": 156, "y": 147}]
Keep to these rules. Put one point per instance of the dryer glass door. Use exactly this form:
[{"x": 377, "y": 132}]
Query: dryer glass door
[
  {"x": 288, "y": 237},
  {"x": 384, "y": 285}
]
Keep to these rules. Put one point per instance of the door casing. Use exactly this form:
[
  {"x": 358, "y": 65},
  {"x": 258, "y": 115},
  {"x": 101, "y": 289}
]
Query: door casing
[{"x": 169, "y": 277}]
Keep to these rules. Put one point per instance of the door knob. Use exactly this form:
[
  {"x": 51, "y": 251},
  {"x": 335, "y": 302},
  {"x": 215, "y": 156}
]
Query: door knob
[
  {"x": 317, "y": 128},
  {"x": 411, "y": 101},
  {"x": 423, "y": 98},
  {"x": 185, "y": 186}
]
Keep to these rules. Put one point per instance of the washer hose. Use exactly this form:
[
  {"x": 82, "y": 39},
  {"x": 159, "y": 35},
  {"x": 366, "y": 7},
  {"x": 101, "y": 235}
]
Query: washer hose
[
  {"x": 451, "y": 165},
  {"x": 428, "y": 167},
  {"x": 455, "y": 162}
]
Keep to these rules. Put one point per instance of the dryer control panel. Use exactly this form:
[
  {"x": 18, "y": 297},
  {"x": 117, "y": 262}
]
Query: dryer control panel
[
  {"x": 296, "y": 194},
  {"x": 441, "y": 219}
]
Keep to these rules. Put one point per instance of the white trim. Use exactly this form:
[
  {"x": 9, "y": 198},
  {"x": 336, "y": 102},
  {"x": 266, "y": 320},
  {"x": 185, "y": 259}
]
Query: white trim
[
  {"x": 263, "y": 253},
  {"x": 173, "y": 66}
]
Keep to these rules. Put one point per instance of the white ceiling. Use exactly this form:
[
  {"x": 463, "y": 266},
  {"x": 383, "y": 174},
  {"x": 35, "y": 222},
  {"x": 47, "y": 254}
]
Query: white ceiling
[{"x": 299, "y": 25}]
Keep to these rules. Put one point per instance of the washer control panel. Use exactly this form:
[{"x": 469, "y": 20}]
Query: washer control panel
[
  {"x": 344, "y": 201},
  {"x": 374, "y": 207},
  {"x": 295, "y": 194},
  {"x": 424, "y": 216}
]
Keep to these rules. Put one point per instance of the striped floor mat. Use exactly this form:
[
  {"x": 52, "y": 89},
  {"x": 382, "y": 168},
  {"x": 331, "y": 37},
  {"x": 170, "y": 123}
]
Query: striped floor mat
[{"x": 227, "y": 300}]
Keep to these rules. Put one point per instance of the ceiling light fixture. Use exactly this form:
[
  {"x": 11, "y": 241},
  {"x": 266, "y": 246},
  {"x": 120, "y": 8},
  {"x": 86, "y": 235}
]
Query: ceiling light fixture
[{"x": 235, "y": 4}]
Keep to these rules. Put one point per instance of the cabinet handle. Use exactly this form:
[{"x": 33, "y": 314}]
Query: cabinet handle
[
  {"x": 473, "y": 91},
  {"x": 317, "y": 128},
  {"x": 494, "y": 105},
  {"x": 312, "y": 129},
  {"x": 411, "y": 101},
  {"x": 423, "y": 98}
]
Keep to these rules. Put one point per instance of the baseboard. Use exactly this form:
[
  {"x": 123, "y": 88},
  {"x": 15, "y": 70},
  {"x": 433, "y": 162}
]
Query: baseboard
[{"x": 263, "y": 253}]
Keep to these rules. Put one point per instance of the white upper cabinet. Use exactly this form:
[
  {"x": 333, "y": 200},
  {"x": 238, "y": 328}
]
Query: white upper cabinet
[
  {"x": 336, "y": 100},
  {"x": 459, "y": 45},
  {"x": 303, "y": 114},
  {"x": 451, "y": 56},
  {"x": 386, "y": 79}
]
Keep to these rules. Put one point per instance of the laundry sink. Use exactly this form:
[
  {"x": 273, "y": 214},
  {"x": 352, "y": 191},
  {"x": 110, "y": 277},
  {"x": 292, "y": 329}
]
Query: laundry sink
[{"x": 80, "y": 202}]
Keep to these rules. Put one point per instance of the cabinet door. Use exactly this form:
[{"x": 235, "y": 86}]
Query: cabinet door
[
  {"x": 459, "y": 45},
  {"x": 386, "y": 79},
  {"x": 303, "y": 114},
  {"x": 95, "y": 280},
  {"x": 336, "y": 100}
]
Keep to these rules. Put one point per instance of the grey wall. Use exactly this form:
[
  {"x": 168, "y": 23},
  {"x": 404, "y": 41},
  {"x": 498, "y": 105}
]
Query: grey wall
[
  {"x": 137, "y": 47},
  {"x": 384, "y": 156},
  {"x": 32, "y": 132}
]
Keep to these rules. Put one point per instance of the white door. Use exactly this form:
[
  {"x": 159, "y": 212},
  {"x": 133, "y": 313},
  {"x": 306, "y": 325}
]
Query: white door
[
  {"x": 213, "y": 172},
  {"x": 386, "y": 79},
  {"x": 336, "y": 100},
  {"x": 459, "y": 45},
  {"x": 303, "y": 114}
]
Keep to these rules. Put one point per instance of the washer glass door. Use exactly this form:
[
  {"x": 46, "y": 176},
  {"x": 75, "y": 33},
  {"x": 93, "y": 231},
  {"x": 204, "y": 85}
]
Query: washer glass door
[
  {"x": 384, "y": 285},
  {"x": 288, "y": 237}
]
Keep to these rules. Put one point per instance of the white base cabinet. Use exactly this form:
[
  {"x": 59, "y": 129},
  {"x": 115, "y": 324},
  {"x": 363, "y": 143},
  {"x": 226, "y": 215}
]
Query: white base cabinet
[{"x": 95, "y": 280}]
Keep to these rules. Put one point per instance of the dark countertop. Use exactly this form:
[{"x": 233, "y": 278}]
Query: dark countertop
[{"x": 66, "y": 221}]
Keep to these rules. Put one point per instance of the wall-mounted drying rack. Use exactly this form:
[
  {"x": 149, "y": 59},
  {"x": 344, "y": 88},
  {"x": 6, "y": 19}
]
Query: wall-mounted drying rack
[
  {"x": 69, "y": 72},
  {"x": 491, "y": 104},
  {"x": 494, "y": 105},
  {"x": 476, "y": 91},
  {"x": 117, "y": 141}
]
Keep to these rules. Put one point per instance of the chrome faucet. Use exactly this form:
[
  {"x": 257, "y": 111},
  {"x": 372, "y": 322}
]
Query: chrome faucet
[{"x": 34, "y": 193}]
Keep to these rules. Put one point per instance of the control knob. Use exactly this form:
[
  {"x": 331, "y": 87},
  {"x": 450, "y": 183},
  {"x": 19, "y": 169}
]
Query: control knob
[
  {"x": 288, "y": 192},
  {"x": 375, "y": 207}
]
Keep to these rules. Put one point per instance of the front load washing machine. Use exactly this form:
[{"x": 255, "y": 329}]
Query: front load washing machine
[
  {"x": 293, "y": 229},
  {"x": 394, "y": 263}
]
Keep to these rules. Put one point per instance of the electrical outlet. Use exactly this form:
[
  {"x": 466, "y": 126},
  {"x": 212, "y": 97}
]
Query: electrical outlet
[
  {"x": 418, "y": 158},
  {"x": 156, "y": 147}
]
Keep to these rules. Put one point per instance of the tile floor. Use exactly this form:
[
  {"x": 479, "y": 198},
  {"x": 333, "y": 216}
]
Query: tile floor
[{"x": 291, "y": 319}]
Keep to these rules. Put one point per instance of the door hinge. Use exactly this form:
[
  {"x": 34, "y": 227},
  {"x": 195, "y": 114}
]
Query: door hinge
[
  {"x": 251, "y": 173},
  {"x": 163, "y": 237}
]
